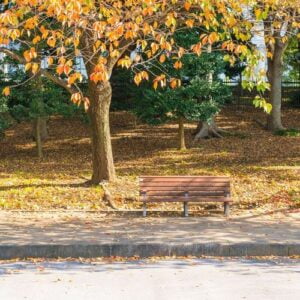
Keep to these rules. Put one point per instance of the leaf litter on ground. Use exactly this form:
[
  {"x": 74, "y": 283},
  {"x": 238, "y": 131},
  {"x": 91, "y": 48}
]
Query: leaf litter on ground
[{"x": 264, "y": 168}]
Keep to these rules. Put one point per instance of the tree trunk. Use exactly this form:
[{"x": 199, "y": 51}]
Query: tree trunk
[
  {"x": 38, "y": 137},
  {"x": 181, "y": 138},
  {"x": 102, "y": 156},
  {"x": 100, "y": 98},
  {"x": 274, "y": 74},
  {"x": 206, "y": 130},
  {"x": 43, "y": 128}
]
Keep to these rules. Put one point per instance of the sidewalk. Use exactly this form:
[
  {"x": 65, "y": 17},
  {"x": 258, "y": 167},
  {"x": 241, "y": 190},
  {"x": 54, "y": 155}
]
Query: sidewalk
[{"x": 99, "y": 234}]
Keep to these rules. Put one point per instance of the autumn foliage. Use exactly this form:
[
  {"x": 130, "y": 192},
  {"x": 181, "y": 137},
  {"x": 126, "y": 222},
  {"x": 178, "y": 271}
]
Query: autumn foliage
[{"x": 56, "y": 32}]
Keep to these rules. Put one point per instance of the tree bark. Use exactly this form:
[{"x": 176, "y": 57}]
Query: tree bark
[
  {"x": 206, "y": 130},
  {"x": 209, "y": 129},
  {"x": 274, "y": 122},
  {"x": 44, "y": 134},
  {"x": 102, "y": 156},
  {"x": 181, "y": 138},
  {"x": 99, "y": 95}
]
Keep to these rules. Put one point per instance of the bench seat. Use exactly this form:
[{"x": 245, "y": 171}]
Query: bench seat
[{"x": 185, "y": 189}]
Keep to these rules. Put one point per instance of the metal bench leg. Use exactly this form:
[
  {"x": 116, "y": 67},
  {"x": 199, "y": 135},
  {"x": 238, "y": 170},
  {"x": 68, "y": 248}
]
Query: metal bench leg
[
  {"x": 226, "y": 209},
  {"x": 144, "y": 209},
  {"x": 186, "y": 209}
]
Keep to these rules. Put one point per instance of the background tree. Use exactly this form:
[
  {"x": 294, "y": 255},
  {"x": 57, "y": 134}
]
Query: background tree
[
  {"x": 291, "y": 61},
  {"x": 281, "y": 22},
  {"x": 5, "y": 121},
  {"x": 36, "y": 101},
  {"x": 197, "y": 99}
]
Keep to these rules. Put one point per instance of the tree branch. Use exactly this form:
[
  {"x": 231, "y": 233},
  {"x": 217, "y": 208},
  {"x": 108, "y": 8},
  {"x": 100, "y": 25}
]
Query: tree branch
[
  {"x": 13, "y": 55},
  {"x": 44, "y": 72},
  {"x": 58, "y": 81}
]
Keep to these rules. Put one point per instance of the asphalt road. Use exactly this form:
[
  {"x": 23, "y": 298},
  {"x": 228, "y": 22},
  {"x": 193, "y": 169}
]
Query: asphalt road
[{"x": 169, "y": 279}]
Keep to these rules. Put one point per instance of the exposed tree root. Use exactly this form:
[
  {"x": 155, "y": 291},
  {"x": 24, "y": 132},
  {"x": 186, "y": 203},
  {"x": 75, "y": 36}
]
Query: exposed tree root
[
  {"x": 208, "y": 130},
  {"x": 267, "y": 126},
  {"x": 109, "y": 199},
  {"x": 260, "y": 123}
]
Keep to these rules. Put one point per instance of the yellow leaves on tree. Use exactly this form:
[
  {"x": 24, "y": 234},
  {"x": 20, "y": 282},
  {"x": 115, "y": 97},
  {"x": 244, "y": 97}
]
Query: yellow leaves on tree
[
  {"x": 64, "y": 67},
  {"x": 78, "y": 99},
  {"x": 6, "y": 91},
  {"x": 178, "y": 65},
  {"x": 30, "y": 54},
  {"x": 74, "y": 77},
  {"x": 161, "y": 79},
  {"x": 174, "y": 83},
  {"x": 60, "y": 31},
  {"x": 99, "y": 74},
  {"x": 141, "y": 76},
  {"x": 125, "y": 62},
  {"x": 162, "y": 58},
  {"x": 51, "y": 42}
]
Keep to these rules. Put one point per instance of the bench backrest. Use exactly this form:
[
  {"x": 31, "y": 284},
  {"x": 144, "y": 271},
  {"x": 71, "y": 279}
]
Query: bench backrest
[{"x": 172, "y": 188}]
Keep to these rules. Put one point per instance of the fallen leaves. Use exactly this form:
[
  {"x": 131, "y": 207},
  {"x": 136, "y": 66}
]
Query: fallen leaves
[{"x": 264, "y": 168}]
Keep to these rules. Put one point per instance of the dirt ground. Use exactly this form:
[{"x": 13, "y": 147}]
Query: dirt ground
[{"x": 265, "y": 168}]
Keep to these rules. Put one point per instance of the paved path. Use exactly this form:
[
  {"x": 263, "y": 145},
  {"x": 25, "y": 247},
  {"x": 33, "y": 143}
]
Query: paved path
[
  {"x": 74, "y": 228},
  {"x": 174, "y": 279},
  {"x": 91, "y": 235}
]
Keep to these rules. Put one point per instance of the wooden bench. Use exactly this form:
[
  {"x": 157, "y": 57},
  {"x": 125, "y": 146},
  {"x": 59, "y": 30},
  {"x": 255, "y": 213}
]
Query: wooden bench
[{"x": 185, "y": 189}]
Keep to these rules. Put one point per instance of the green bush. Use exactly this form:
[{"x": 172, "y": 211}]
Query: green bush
[
  {"x": 37, "y": 98},
  {"x": 294, "y": 97},
  {"x": 196, "y": 99},
  {"x": 4, "y": 122}
]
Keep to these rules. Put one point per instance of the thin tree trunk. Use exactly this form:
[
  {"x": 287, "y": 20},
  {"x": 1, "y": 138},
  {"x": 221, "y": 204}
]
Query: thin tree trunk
[
  {"x": 274, "y": 122},
  {"x": 38, "y": 138},
  {"x": 44, "y": 134},
  {"x": 275, "y": 73},
  {"x": 102, "y": 156},
  {"x": 181, "y": 138},
  {"x": 207, "y": 129}
]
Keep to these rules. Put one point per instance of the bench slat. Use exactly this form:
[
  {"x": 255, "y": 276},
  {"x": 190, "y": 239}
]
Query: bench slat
[
  {"x": 182, "y": 193},
  {"x": 184, "y": 188},
  {"x": 184, "y": 179},
  {"x": 183, "y": 176},
  {"x": 189, "y": 199},
  {"x": 183, "y": 184}
]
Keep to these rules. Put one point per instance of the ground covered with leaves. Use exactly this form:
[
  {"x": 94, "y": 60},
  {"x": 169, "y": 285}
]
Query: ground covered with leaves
[{"x": 264, "y": 167}]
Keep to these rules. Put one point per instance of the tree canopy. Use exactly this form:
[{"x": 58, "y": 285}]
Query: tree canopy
[{"x": 55, "y": 33}]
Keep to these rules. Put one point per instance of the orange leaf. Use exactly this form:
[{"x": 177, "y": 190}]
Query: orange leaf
[
  {"x": 187, "y": 6},
  {"x": 51, "y": 42},
  {"x": 162, "y": 58},
  {"x": 6, "y": 91},
  {"x": 178, "y": 65}
]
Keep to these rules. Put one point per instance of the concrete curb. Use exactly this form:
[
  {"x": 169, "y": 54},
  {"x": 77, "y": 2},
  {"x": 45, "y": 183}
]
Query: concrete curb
[{"x": 147, "y": 250}]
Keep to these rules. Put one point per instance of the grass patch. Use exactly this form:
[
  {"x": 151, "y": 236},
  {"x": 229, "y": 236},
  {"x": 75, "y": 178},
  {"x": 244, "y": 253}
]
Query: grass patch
[{"x": 288, "y": 132}]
